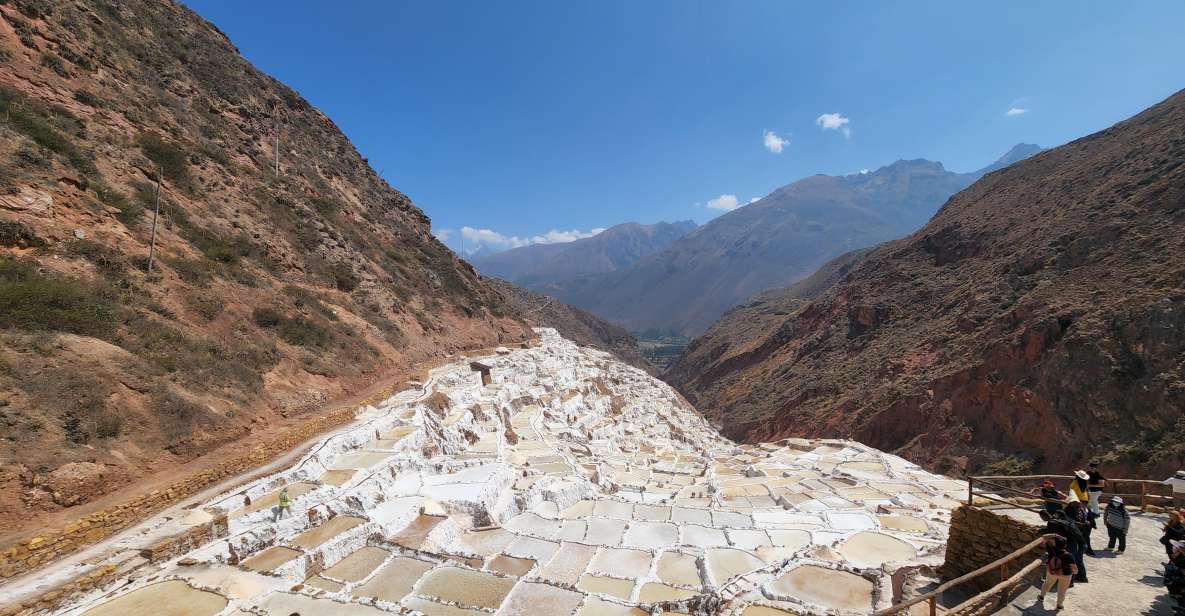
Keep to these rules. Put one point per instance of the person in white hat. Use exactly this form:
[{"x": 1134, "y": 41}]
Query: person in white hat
[
  {"x": 1117, "y": 520},
  {"x": 1078, "y": 485},
  {"x": 1178, "y": 483}
]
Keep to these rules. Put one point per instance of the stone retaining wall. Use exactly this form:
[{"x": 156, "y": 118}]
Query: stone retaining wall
[
  {"x": 979, "y": 536},
  {"x": 29, "y": 554},
  {"x": 191, "y": 539}
]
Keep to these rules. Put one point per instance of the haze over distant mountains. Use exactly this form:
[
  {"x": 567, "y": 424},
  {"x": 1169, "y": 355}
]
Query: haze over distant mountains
[
  {"x": 614, "y": 248},
  {"x": 772, "y": 242}
]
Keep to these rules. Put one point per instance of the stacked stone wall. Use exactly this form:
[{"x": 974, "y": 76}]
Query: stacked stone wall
[{"x": 980, "y": 536}]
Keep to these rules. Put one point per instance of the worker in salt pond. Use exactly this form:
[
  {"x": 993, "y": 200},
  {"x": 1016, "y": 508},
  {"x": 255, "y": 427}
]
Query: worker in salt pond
[{"x": 284, "y": 504}]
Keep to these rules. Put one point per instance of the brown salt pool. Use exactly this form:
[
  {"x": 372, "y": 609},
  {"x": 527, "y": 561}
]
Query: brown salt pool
[
  {"x": 270, "y": 558},
  {"x": 606, "y": 585},
  {"x": 326, "y": 531},
  {"x": 725, "y": 563},
  {"x": 825, "y": 587},
  {"x": 465, "y": 587},
  {"x": 534, "y": 599},
  {"x": 357, "y": 565},
  {"x": 866, "y": 549},
  {"x": 272, "y": 499},
  {"x": 171, "y": 598},
  {"x": 599, "y": 607},
  {"x": 676, "y": 568},
  {"x": 661, "y": 592},
  {"x": 337, "y": 478},
  {"x": 395, "y": 580},
  {"x": 432, "y": 608}
]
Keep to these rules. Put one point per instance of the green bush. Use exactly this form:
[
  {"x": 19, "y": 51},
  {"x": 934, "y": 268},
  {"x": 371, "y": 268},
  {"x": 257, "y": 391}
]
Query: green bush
[
  {"x": 176, "y": 414},
  {"x": 16, "y": 235},
  {"x": 55, "y": 64},
  {"x": 31, "y": 118},
  {"x": 129, "y": 211},
  {"x": 172, "y": 159},
  {"x": 193, "y": 271},
  {"x": 31, "y": 300},
  {"x": 86, "y": 97},
  {"x": 343, "y": 276},
  {"x": 302, "y": 298},
  {"x": 109, "y": 262},
  {"x": 207, "y": 307},
  {"x": 266, "y": 317},
  {"x": 300, "y": 331}
]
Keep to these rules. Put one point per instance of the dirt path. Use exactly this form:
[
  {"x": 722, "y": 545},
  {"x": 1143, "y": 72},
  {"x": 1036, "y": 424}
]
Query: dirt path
[{"x": 1127, "y": 584}]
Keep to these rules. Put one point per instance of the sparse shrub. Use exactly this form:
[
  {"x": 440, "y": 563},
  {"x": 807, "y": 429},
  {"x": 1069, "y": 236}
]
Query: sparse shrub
[
  {"x": 266, "y": 317},
  {"x": 16, "y": 235},
  {"x": 173, "y": 162},
  {"x": 193, "y": 271},
  {"x": 129, "y": 211},
  {"x": 205, "y": 306},
  {"x": 30, "y": 119},
  {"x": 34, "y": 301},
  {"x": 300, "y": 331},
  {"x": 302, "y": 298},
  {"x": 177, "y": 415},
  {"x": 343, "y": 276},
  {"x": 54, "y": 63},
  {"x": 87, "y": 98},
  {"x": 109, "y": 262},
  {"x": 34, "y": 9},
  {"x": 326, "y": 206}
]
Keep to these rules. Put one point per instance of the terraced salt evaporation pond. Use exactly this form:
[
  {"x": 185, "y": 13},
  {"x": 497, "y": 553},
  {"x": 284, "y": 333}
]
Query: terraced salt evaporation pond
[{"x": 571, "y": 485}]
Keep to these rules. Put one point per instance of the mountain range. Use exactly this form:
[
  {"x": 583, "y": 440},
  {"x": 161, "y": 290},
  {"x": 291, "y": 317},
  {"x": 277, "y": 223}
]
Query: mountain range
[
  {"x": 1034, "y": 323},
  {"x": 769, "y": 243},
  {"x": 614, "y": 248}
]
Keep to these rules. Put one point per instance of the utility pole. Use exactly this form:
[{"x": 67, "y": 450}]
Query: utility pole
[{"x": 155, "y": 215}]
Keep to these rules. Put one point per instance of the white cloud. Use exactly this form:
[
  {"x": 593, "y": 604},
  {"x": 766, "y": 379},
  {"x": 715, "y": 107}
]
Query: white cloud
[
  {"x": 442, "y": 234},
  {"x": 773, "y": 142},
  {"x": 497, "y": 241},
  {"x": 1015, "y": 111},
  {"x": 724, "y": 202},
  {"x": 835, "y": 121},
  {"x": 754, "y": 199}
]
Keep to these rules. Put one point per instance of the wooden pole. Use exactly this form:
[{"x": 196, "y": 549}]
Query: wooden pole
[
  {"x": 1143, "y": 497},
  {"x": 970, "y": 490},
  {"x": 155, "y": 215}
]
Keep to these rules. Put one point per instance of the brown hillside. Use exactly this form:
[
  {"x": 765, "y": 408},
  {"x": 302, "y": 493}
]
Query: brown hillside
[
  {"x": 271, "y": 293},
  {"x": 1036, "y": 321},
  {"x": 579, "y": 326}
]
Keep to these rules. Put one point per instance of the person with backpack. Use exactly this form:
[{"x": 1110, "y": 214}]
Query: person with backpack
[
  {"x": 1117, "y": 521},
  {"x": 1059, "y": 569},
  {"x": 1076, "y": 516},
  {"x": 1174, "y": 530}
]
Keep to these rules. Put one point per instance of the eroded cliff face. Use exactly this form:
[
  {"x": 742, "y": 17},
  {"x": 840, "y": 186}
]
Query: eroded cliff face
[
  {"x": 1036, "y": 321},
  {"x": 274, "y": 288}
]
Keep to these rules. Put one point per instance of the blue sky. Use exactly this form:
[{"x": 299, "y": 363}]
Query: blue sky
[{"x": 522, "y": 118}]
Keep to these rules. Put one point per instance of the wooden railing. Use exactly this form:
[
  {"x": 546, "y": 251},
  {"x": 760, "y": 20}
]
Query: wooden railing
[
  {"x": 1000, "y": 565},
  {"x": 997, "y": 492}
]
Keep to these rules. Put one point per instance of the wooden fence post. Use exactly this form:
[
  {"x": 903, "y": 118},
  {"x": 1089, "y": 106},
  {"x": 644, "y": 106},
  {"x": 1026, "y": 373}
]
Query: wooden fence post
[
  {"x": 1143, "y": 497},
  {"x": 970, "y": 490}
]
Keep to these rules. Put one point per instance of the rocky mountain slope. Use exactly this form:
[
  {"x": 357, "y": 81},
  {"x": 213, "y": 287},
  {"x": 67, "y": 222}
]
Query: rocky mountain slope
[
  {"x": 579, "y": 326},
  {"x": 1033, "y": 323},
  {"x": 615, "y": 248},
  {"x": 769, "y": 243},
  {"x": 272, "y": 290}
]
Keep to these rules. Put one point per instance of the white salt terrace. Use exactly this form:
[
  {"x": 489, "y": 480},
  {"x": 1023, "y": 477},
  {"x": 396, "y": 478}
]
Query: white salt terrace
[{"x": 571, "y": 485}]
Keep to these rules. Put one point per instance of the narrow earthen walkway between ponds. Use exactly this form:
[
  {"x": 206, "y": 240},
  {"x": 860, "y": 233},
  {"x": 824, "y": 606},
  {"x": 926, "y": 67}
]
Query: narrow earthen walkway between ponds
[{"x": 1128, "y": 584}]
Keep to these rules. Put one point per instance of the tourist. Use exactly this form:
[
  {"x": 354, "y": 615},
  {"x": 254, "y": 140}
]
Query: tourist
[
  {"x": 284, "y": 504},
  {"x": 1060, "y": 566},
  {"x": 1174, "y": 570},
  {"x": 1076, "y": 516},
  {"x": 1095, "y": 483},
  {"x": 1177, "y": 481},
  {"x": 1058, "y": 524},
  {"x": 1116, "y": 519},
  {"x": 1174, "y": 530},
  {"x": 1053, "y": 498},
  {"x": 1079, "y": 486}
]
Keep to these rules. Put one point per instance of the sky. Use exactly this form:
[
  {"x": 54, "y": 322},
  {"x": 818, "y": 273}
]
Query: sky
[{"x": 546, "y": 121}]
